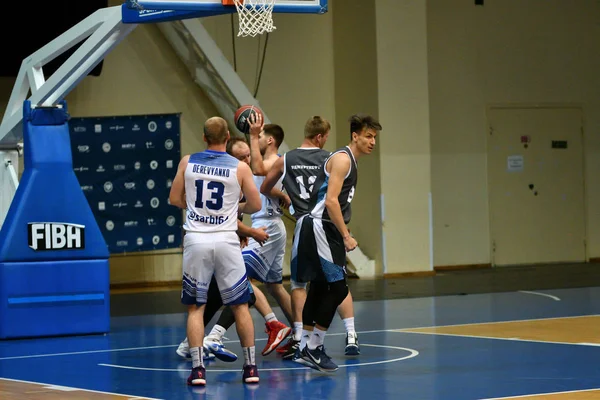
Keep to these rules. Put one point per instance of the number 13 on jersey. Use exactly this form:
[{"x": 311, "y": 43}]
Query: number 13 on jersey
[{"x": 209, "y": 194}]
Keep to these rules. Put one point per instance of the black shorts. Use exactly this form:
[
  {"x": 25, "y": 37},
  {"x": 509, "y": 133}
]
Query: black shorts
[{"x": 321, "y": 254}]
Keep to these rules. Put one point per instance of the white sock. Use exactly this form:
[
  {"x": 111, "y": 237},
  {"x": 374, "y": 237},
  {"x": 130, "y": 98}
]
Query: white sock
[
  {"x": 249, "y": 355},
  {"x": 316, "y": 339},
  {"x": 304, "y": 338},
  {"x": 270, "y": 317},
  {"x": 297, "y": 330},
  {"x": 196, "y": 357},
  {"x": 217, "y": 332},
  {"x": 349, "y": 324}
]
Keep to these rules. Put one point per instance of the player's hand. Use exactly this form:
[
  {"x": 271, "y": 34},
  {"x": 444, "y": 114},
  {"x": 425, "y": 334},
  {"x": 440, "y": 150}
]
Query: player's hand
[
  {"x": 285, "y": 201},
  {"x": 260, "y": 235},
  {"x": 256, "y": 124},
  {"x": 243, "y": 242},
  {"x": 350, "y": 243}
]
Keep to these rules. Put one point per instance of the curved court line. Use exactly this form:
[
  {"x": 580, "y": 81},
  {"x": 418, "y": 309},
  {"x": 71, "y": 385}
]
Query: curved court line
[
  {"x": 413, "y": 353},
  {"x": 540, "y": 294},
  {"x": 153, "y": 347}
]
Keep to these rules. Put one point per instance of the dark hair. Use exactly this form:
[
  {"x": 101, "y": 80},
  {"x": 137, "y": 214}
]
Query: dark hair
[
  {"x": 316, "y": 126},
  {"x": 215, "y": 130},
  {"x": 358, "y": 122},
  {"x": 232, "y": 142},
  {"x": 276, "y": 132}
]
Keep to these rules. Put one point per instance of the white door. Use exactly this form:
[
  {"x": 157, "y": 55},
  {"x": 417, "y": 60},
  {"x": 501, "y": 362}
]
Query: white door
[{"x": 536, "y": 185}]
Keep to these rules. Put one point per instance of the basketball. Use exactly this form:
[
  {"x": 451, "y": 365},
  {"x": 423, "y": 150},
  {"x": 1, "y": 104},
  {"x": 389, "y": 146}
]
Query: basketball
[{"x": 242, "y": 116}]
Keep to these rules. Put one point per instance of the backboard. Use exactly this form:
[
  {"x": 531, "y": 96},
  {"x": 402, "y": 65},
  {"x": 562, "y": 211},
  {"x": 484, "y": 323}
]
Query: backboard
[{"x": 226, "y": 6}]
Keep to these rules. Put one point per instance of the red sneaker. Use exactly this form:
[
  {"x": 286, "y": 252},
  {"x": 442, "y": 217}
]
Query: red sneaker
[{"x": 277, "y": 332}]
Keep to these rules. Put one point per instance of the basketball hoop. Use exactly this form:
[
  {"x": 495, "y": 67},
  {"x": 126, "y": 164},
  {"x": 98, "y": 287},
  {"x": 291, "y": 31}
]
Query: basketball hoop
[{"x": 255, "y": 16}]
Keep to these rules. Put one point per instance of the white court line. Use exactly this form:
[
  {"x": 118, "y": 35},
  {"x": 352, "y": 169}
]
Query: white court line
[
  {"x": 68, "y": 388},
  {"x": 413, "y": 353},
  {"x": 500, "y": 338},
  {"x": 492, "y": 322},
  {"x": 396, "y": 330},
  {"x": 540, "y": 294},
  {"x": 541, "y": 394},
  {"x": 150, "y": 347}
]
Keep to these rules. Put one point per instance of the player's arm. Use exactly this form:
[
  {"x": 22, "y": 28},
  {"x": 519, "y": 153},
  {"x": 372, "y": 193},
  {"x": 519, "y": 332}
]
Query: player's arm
[
  {"x": 258, "y": 234},
  {"x": 340, "y": 165},
  {"x": 272, "y": 177},
  {"x": 249, "y": 190},
  {"x": 268, "y": 186},
  {"x": 177, "y": 194},
  {"x": 259, "y": 167}
]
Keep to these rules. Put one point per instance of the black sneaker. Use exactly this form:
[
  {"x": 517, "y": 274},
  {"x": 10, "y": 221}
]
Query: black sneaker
[
  {"x": 289, "y": 349},
  {"x": 250, "y": 374},
  {"x": 352, "y": 346},
  {"x": 319, "y": 359},
  {"x": 197, "y": 377}
]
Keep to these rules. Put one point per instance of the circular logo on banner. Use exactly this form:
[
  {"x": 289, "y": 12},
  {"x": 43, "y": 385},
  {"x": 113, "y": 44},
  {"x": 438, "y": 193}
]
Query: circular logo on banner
[
  {"x": 154, "y": 202},
  {"x": 155, "y": 239},
  {"x": 150, "y": 184},
  {"x": 106, "y": 147},
  {"x": 140, "y": 241},
  {"x": 152, "y": 126},
  {"x": 153, "y": 164},
  {"x": 168, "y": 144},
  {"x": 110, "y": 225},
  {"x": 108, "y": 187},
  {"x": 170, "y": 220},
  {"x": 168, "y": 124},
  {"x": 137, "y": 165}
]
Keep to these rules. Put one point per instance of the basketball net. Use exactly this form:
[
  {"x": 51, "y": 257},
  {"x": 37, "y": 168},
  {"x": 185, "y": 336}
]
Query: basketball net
[{"x": 255, "y": 16}]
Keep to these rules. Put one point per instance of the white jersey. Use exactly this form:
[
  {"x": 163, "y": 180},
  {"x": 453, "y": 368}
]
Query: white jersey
[
  {"x": 269, "y": 205},
  {"x": 212, "y": 192}
]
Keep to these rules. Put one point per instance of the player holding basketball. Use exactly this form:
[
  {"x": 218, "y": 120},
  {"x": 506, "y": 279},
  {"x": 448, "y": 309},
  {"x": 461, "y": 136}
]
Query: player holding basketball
[
  {"x": 265, "y": 263},
  {"x": 324, "y": 238},
  {"x": 209, "y": 184},
  {"x": 298, "y": 170}
]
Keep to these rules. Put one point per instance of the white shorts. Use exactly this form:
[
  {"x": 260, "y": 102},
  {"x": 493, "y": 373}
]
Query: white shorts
[
  {"x": 218, "y": 253},
  {"x": 265, "y": 263}
]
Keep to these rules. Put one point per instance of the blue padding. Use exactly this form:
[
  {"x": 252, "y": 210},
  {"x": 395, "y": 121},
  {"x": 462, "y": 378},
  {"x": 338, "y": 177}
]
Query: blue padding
[
  {"x": 54, "y": 298},
  {"x": 49, "y": 192}
]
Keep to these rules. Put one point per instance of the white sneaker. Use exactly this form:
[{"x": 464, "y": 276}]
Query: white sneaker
[
  {"x": 184, "y": 351},
  {"x": 216, "y": 347}
]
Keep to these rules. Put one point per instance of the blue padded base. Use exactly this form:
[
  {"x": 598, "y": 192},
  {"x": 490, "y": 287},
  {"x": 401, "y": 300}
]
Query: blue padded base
[{"x": 50, "y": 298}]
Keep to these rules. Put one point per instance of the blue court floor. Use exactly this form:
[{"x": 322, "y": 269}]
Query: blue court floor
[{"x": 532, "y": 346}]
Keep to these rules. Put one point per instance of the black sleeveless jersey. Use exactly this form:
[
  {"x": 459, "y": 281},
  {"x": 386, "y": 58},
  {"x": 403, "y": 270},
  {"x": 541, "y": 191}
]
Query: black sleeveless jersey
[
  {"x": 301, "y": 168},
  {"x": 317, "y": 201}
]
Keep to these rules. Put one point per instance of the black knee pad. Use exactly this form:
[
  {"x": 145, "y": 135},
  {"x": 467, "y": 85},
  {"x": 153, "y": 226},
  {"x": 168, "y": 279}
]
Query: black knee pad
[
  {"x": 339, "y": 290},
  {"x": 252, "y": 299}
]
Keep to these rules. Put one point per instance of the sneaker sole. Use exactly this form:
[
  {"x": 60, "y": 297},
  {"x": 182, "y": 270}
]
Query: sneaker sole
[
  {"x": 302, "y": 361},
  {"x": 281, "y": 335},
  {"x": 252, "y": 380},
  {"x": 198, "y": 382}
]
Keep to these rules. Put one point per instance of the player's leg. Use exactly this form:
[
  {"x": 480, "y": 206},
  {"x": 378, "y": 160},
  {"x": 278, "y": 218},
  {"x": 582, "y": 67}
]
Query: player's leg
[
  {"x": 333, "y": 271},
  {"x": 297, "y": 298},
  {"x": 213, "y": 304},
  {"x": 198, "y": 257},
  {"x": 230, "y": 273},
  {"x": 274, "y": 279},
  {"x": 346, "y": 313},
  {"x": 259, "y": 260}
]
